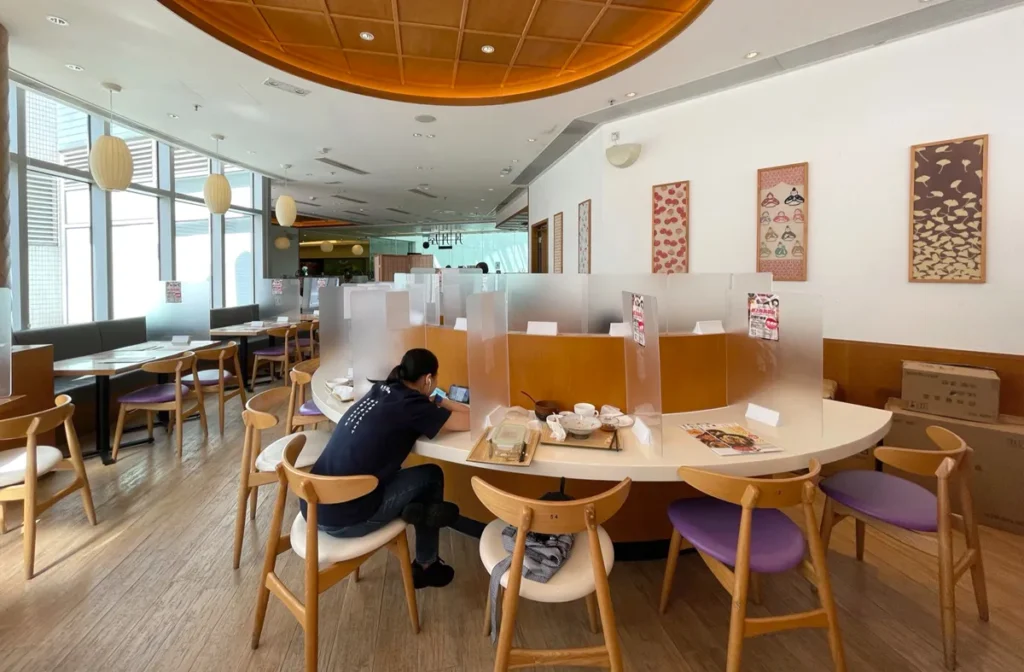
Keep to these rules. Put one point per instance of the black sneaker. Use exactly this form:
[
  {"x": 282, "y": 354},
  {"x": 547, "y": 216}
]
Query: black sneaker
[
  {"x": 436, "y": 575},
  {"x": 440, "y": 514}
]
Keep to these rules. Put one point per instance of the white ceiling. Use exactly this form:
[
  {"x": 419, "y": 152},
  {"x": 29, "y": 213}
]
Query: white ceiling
[{"x": 166, "y": 66}]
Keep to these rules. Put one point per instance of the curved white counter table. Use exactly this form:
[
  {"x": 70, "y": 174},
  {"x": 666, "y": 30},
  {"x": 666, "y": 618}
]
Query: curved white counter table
[{"x": 846, "y": 430}]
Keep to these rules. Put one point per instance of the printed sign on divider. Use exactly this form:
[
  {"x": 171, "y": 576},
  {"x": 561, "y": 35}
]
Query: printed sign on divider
[
  {"x": 172, "y": 292},
  {"x": 638, "y": 321},
  {"x": 277, "y": 287},
  {"x": 763, "y": 316}
]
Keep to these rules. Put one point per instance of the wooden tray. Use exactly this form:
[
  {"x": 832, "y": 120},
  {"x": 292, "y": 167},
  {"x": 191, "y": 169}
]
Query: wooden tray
[
  {"x": 479, "y": 453},
  {"x": 599, "y": 440}
]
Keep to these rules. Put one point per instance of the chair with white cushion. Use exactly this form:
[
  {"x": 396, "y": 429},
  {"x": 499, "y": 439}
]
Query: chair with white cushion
[
  {"x": 583, "y": 576},
  {"x": 20, "y": 469},
  {"x": 302, "y": 412},
  {"x": 258, "y": 463},
  {"x": 328, "y": 560}
]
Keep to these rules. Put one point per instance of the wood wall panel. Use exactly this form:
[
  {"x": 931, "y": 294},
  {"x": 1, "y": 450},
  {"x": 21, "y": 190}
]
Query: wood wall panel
[
  {"x": 568, "y": 369},
  {"x": 32, "y": 376},
  {"x": 449, "y": 346}
]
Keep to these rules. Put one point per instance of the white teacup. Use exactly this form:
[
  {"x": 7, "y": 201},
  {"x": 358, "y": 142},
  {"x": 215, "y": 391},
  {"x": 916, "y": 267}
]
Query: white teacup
[{"x": 586, "y": 410}]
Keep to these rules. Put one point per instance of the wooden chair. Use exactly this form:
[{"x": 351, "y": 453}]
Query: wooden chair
[
  {"x": 168, "y": 397},
  {"x": 260, "y": 464},
  {"x": 306, "y": 342},
  {"x": 282, "y": 354},
  {"x": 328, "y": 559},
  {"x": 909, "y": 513},
  {"x": 225, "y": 356},
  {"x": 20, "y": 469},
  {"x": 740, "y": 526},
  {"x": 584, "y": 573},
  {"x": 300, "y": 411}
]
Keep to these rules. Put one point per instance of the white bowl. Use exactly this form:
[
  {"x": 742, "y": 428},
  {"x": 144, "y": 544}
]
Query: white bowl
[{"x": 580, "y": 426}]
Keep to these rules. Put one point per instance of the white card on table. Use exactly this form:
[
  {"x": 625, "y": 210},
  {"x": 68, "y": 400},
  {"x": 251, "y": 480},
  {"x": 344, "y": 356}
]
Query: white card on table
[
  {"x": 763, "y": 415},
  {"x": 283, "y": 319},
  {"x": 255, "y": 323},
  {"x": 542, "y": 328},
  {"x": 619, "y": 329},
  {"x": 709, "y": 327},
  {"x": 181, "y": 340},
  {"x": 460, "y": 324}
]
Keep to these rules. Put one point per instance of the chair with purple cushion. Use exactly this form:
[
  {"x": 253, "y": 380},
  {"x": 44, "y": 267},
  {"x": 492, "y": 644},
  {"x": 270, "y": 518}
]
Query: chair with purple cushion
[
  {"x": 225, "y": 356},
  {"x": 740, "y": 526},
  {"x": 168, "y": 397},
  {"x": 283, "y": 354},
  {"x": 304, "y": 338},
  {"x": 300, "y": 411},
  {"x": 909, "y": 513}
]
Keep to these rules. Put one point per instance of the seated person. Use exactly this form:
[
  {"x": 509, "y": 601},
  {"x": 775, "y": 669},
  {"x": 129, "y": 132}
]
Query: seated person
[{"x": 373, "y": 438}]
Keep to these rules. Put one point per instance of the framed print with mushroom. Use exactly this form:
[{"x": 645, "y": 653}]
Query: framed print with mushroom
[
  {"x": 947, "y": 210},
  {"x": 583, "y": 238},
  {"x": 783, "y": 201},
  {"x": 670, "y": 228}
]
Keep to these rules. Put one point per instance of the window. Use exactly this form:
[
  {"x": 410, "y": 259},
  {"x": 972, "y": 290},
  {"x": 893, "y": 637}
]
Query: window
[
  {"x": 59, "y": 250},
  {"x": 193, "y": 259},
  {"x": 135, "y": 260},
  {"x": 240, "y": 180},
  {"x": 55, "y": 132},
  {"x": 143, "y": 150},
  {"x": 238, "y": 261},
  {"x": 190, "y": 172}
]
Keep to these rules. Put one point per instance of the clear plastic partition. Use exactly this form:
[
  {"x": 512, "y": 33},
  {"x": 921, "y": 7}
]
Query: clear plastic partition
[
  {"x": 457, "y": 285},
  {"x": 775, "y": 359},
  {"x": 381, "y": 335},
  {"x": 604, "y": 296},
  {"x": 695, "y": 297},
  {"x": 6, "y": 382},
  {"x": 540, "y": 297},
  {"x": 311, "y": 288},
  {"x": 487, "y": 359},
  {"x": 643, "y": 366},
  {"x": 417, "y": 304},
  {"x": 178, "y": 309},
  {"x": 278, "y": 297},
  {"x": 430, "y": 286},
  {"x": 752, "y": 282},
  {"x": 335, "y": 349}
]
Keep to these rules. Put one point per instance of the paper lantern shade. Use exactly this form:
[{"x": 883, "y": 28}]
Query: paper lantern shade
[
  {"x": 110, "y": 162},
  {"x": 357, "y": 250},
  {"x": 327, "y": 247},
  {"x": 282, "y": 243},
  {"x": 217, "y": 194},
  {"x": 285, "y": 210}
]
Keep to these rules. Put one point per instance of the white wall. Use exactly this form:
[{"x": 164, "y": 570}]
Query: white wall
[
  {"x": 502, "y": 250},
  {"x": 853, "y": 119}
]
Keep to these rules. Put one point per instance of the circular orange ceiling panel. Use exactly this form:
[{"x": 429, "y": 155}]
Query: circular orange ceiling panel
[{"x": 445, "y": 52}]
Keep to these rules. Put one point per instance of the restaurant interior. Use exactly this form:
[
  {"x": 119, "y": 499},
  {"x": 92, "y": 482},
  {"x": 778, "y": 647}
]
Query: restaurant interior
[{"x": 660, "y": 426}]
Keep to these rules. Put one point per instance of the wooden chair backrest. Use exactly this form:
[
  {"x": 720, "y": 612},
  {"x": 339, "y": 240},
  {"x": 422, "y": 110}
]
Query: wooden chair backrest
[
  {"x": 221, "y": 353},
  {"x": 286, "y": 332},
  {"x": 186, "y": 362},
  {"x": 33, "y": 424},
  {"x": 261, "y": 409},
  {"x": 321, "y": 489},
  {"x": 927, "y": 462},
  {"x": 307, "y": 367},
  {"x": 754, "y": 493},
  {"x": 552, "y": 517},
  {"x": 304, "y": 328}
]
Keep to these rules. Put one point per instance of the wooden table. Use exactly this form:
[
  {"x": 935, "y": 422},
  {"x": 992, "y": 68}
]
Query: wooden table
[
  {"x": 103, "y": 365},
  {"x": 243, "y": 332}
]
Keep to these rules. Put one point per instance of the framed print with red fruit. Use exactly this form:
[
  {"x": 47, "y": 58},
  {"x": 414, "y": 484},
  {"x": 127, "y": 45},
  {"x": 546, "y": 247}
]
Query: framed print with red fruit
[
  {"x": 670, "y": 227},
  {"x": 783, "y": 201},
  {"x": 557, "y": 238},
  {"x": 583, "y": 238},
  {"x": 947, "y": 210}
]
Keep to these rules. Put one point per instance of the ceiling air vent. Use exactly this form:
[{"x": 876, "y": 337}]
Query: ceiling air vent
[
  {"x": 287, "y": 88},
  {"x": 421, "y": 193},
  {"x": 334, "y": 182},
  {"x": 343, "y": 166},
  {"x": 350, "y": 200},
  {"x": 311, "y": 205},
  {"x": 355, "y": 213},
  {"x": 395, "y": 221},
  {"x": 401, "y": 212}
]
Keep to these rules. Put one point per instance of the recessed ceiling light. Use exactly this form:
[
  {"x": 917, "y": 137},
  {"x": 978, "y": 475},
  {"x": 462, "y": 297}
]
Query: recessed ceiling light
[
  {"x": 425, "y": 118},
  {"x": 490, "y": 189},
  {"x": 251, "y": 152},
  {"x": 417, "y": 135},
  {"x": 631, "y": 94},
  {"x": 172, "y": 115},
  {"x": 362, "y": 209},
  {"x": 74, "y": 68},
  {"x": 515, "y": 160},
  {"x": 531, "y": 139},
  {"x": 752, "y": 54},
  {"x": 487, "y": 49},
  {"x": 56, "y": 20},
  {"x": 430, "y": 136},
  {"x": 366, "y": 35},
  {"x": 482, "y": 200}
]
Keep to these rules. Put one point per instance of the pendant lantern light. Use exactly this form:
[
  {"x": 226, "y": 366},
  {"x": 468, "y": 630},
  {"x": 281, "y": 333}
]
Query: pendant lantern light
[
  {"x": 217, "y": 189},
  {"x": 282, "y": 242},
  {"x": 285, "y": 206},
  {"x": 110, "y": 160},
  {"x": 357, "y": 250},
  {"x": 327, "y": 246}
]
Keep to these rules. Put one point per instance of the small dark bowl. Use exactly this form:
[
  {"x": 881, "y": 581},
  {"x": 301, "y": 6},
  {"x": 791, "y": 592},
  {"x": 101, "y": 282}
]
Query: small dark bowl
[{"x": 544, "y": 408}]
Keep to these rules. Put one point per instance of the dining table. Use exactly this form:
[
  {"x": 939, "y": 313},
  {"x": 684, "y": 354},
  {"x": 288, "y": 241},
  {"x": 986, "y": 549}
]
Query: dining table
[
  {"x": 103, "y": 365},
  {"x": 242, "y": 333}
]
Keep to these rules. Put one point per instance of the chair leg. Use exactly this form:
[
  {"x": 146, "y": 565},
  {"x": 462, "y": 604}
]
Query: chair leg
[
  {"x": 311, "y": 625},
  {"x": 177, "y": 428},
  {"x": 400, "y": 549},
  {"x": 591, "y": 601},
  {"x": 828, "y": 520},
  {"x": 30, "y": 527},
  {"x": 737, "y": 618},
  {"x": 149, "y": 425},
  {"x": 220, "y": 406},
  {"x": 355, "y": 576},
  {"x": 860, "y": 539},
  {"x": 118, "y": 431},
  {"x": 670, "y": 569},
  {"x": 243, "y": 495},
  {"x": 3, "y": 517},
  {"x": 487, "y": 615},
  {"x": 202, "y": 412},
  {"x": 755, "y": 588},
  {"x": 824, "y": 583},
  {"x": 947, "y": 589},
  {"x": 255, "y": 366}
]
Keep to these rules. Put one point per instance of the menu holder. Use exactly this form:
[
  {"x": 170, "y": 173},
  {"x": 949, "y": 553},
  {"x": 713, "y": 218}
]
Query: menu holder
[
  {"x": 481, "y": 451},
  {"x": 598, "y": 440}
]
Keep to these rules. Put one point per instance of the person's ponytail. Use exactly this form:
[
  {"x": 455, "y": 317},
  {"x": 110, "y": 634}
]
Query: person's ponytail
[
  {"x": 395, "y": 376},
  {"x": 415, "y": 364}
]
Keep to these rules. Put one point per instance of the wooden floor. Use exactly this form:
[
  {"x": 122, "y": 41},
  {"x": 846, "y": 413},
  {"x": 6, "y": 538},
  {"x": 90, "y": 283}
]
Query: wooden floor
[{"x": 151, "y": 588}]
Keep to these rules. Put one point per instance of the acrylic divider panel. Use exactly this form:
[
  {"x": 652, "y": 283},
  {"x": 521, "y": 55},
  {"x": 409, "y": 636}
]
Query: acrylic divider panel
[
  {"x": 381, "y": 335},
  {"x": 487, "y": 360},
  {"x": 335, "y": 350},
  {"x": 604, "y": 296},
  {"x": 178, "y": 308},
  {"x": 417, "y": 304},
  {"x": 783, "y": 218},
  {"x": 783, "y": 375},
  {"x": 311, "y": 288},
  {"x": 643, "y": 364},
  {"x": 6, "y": 303},
  {"x": 456, "y": 286},
  {"x": 752, "y": 282},
  {"x": 278, "y": 297},
  {"x": 692, "y": 298},
  {"x": 541, "y": 297}
]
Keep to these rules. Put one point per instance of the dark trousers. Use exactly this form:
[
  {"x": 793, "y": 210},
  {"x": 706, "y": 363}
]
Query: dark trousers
[{"x": 423, "y": 484}]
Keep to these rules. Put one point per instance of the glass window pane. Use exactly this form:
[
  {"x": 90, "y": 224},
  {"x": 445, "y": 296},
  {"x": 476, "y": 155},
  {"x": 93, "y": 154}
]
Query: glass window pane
[
  {"x": 135, "y": 257},
  {"x": 240, "y": 180},
  {"x": 190, "y": 172},
  {"x": 238, "y": 261},
  {"x": 143, "y": 149},
  {"x": 59, "y": 250},
  {"x": 192, "y": 256},
  {"x": 55, "y": 132}
]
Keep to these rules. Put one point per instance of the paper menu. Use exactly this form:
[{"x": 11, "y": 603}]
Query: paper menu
[{"x": 728, "y": 440}]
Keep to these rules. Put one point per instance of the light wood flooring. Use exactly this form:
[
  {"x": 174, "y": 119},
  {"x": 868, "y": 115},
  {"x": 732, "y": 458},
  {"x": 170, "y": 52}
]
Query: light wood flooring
[{"x": 151, "y": 588}]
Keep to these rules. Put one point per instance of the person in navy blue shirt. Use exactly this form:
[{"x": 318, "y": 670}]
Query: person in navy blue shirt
[{"x": 373, "y": 438}]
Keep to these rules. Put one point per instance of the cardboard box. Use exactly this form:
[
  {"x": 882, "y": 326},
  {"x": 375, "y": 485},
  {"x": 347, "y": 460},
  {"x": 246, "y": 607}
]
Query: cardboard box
[
  {"x": 998, "y": 476},
  {"x": 963, "y": 392}
]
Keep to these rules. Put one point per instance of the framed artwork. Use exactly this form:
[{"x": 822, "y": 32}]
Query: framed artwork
[
  {"x": 557, "y": 243},
  {"x": 583, "y": 239},
  {"x": 947, "y": 210},
  {"x": 783, "y": 207},
  {"x": 670, "y": 227}
]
